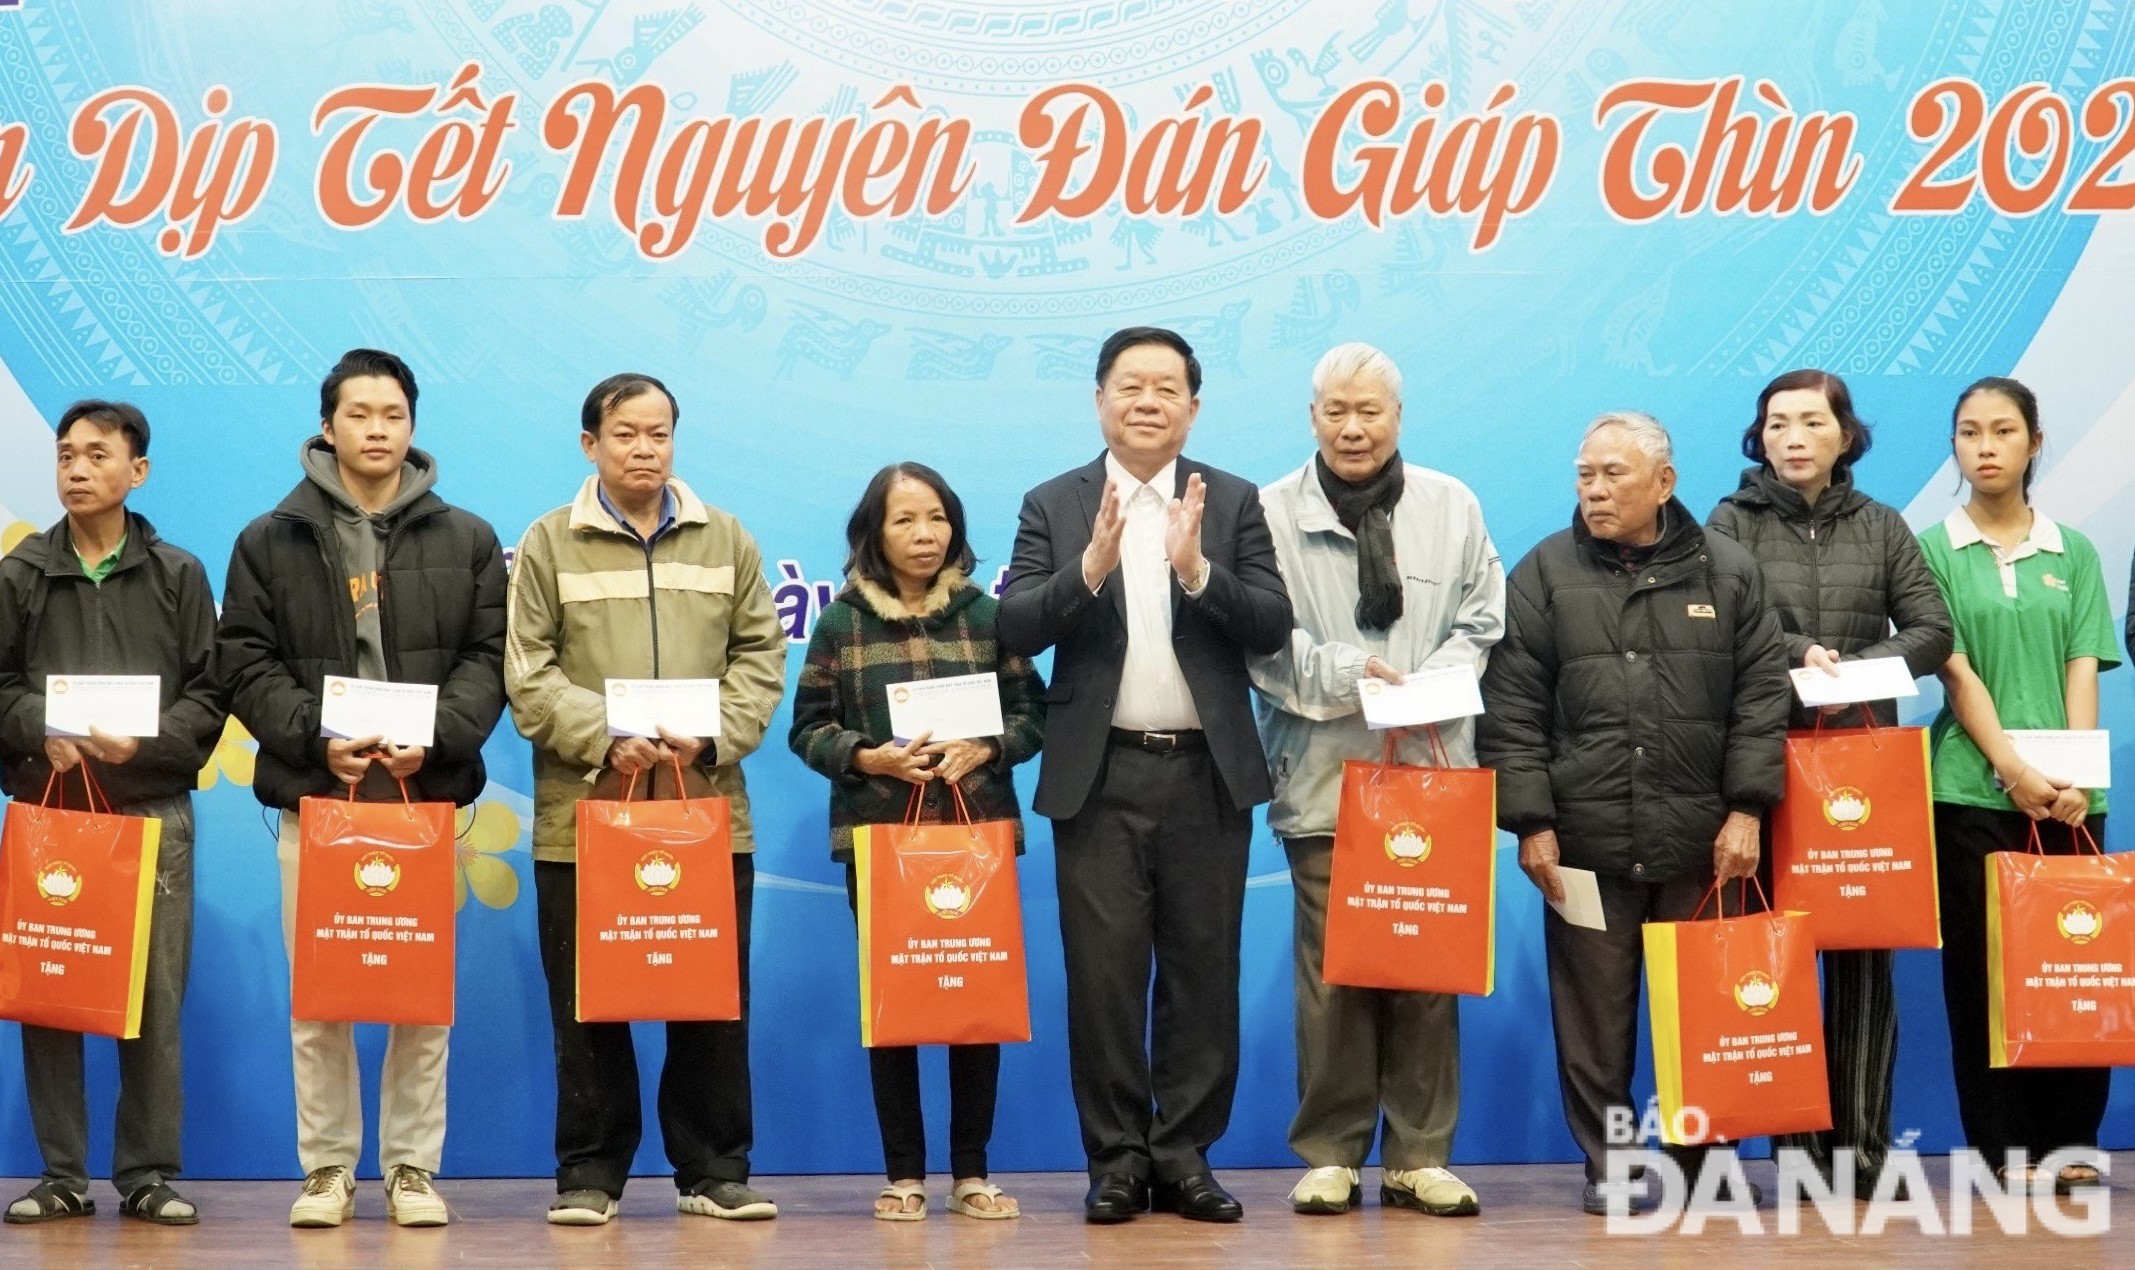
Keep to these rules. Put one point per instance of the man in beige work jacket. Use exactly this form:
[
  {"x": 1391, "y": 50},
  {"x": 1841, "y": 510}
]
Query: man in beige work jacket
[{"x": 639, "y": 579}]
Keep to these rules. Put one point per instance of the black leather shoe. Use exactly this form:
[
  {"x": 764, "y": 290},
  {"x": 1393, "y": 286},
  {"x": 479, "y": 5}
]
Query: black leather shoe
[
  {"x": 1115, "y": 1197},
  {"x": 1197, "y": 1198}
]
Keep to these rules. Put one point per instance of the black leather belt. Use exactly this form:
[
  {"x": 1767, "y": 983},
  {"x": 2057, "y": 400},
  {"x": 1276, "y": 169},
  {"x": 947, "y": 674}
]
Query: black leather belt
[{"x": 1162, "y": 742}]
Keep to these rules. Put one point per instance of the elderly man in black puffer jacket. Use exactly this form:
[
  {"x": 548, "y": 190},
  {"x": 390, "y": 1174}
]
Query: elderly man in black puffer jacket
[{"x": 1636, "y": 716}]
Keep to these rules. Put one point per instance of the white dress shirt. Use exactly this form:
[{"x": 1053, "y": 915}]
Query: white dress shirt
[{"x": 1153, "y": 696}]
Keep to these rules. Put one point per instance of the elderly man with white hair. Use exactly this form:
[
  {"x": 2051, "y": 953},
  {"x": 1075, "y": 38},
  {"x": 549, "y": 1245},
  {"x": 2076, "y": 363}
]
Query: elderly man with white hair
[
  {"x": 1390, "y": 571},
  {"x": 1636, "y": 716}
]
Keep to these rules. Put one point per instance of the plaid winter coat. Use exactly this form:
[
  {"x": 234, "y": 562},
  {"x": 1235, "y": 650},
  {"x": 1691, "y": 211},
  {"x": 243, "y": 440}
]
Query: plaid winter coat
[{"x": 868, "y": 639}]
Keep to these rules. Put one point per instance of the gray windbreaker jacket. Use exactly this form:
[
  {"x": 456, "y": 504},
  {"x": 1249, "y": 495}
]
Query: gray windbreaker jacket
[{"x": 1453, "y": 593}]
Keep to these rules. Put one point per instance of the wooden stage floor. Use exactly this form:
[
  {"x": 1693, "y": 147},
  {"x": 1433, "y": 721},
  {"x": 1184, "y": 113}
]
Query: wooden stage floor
[{"x": 1530, "y": 1217}]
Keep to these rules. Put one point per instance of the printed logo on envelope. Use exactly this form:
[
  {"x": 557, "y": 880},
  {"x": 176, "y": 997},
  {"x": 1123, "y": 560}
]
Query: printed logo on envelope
[
  {"x": 658, "y": 873},
  {"x": 617, "y": 688},
  {"x": 1407, "y": 844},
  {"x": 377, "y": 874},
  {"x": 2080, "y": 923},
  {"x": 949, "y": 896},
  {"x": 900, "y": 694},
  {"x": 1846, "y": 808},
  {"x": 60, "y": 883},
  {"x": 1756, "y": 992},
  {"x": 337, "y": 688},
  {"x": 59, "y": 687},
  {"x": 1371, "y": 687}
]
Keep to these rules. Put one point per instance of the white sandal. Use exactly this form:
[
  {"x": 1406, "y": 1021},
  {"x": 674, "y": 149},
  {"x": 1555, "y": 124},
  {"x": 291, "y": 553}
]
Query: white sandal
[
  {"x": 960, "y": 1201},
  {"x": 904, "y": 1195}
]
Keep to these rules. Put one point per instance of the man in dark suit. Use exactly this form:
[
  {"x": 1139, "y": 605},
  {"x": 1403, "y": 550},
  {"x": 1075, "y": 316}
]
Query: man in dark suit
[{"x": 1153, "y": 577}]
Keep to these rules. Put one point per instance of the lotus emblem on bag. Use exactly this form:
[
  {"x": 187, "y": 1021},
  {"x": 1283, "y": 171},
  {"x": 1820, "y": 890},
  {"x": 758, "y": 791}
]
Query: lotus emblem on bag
[
  {"x": 377, "y": 874},
  {"x": 2080, "y": 923},
  {"x": 59, "y": 882},
  {"x": 949, "y": 896},
  {"x": 1407, "y": 844},
  {"x": 1756, "y": 992},
  {"x": 1846, "y": 808},
  {"x": 658, "y": 873}
]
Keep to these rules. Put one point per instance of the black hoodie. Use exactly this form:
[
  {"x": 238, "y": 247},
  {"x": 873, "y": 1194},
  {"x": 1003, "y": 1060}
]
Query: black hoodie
[{"x": 154, "y": 615}]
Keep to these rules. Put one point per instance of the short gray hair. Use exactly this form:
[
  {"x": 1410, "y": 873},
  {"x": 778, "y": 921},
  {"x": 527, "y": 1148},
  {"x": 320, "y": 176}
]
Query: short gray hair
[
  {"x": 1347, "y": 361},
  {"x": 1646, "y": 433}
]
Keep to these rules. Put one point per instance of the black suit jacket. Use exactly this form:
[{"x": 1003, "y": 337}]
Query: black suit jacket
[{"x": 1243, "y": 610}]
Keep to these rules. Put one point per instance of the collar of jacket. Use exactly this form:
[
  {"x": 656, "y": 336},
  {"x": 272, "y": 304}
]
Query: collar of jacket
[
  {"x": 1763, "y": 490},
  {"x": 1315, "y": 513},
  {"x": 589, "y": 516},
  {"x": 58, "y": 548},
  {"x": 1682, "y": 544},
  {"x": 951, "y": 591},
  {"x": 1096, "y": 473},
  {"x": 308, "y": 503}
]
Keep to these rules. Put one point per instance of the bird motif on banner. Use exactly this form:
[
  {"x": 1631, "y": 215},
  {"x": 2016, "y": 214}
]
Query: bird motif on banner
[
  {"x": 1316, "y": 307},
  {"x": 822, "y": 338}
]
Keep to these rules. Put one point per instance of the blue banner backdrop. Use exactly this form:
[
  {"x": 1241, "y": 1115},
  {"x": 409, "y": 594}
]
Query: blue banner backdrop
[{"x": 964, "y": 338}]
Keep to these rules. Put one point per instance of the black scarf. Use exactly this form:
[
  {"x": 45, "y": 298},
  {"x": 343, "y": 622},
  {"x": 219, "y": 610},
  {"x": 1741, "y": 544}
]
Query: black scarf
[{"x": 1366, "y": 509}]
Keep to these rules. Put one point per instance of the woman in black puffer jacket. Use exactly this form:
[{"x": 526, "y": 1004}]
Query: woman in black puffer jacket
[{"x": 1847, "y": 580}]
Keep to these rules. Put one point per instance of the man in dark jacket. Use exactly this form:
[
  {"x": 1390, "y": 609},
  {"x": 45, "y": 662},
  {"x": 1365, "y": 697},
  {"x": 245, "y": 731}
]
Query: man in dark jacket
[
  {"x": 1636, "y": 716},
  {"x": 363, "y": 571},
  {"x": 1153, "y": 577},
  {"x": 100, "y": 594}
]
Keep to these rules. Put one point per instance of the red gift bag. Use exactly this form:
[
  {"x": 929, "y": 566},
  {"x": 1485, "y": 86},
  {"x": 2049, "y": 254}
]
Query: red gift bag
[
  {"x": 2060, "y": 958},
  {"x": 941, "y": 932},
  {"x": 1738, "y": 1026},
  {"x": 1412, "y": 891},
  {"x": 374, "y": 919},
  {"x": 75, "y": 894},
  {"x": 1853, "y": 842},
  {"x": 656, "y": 938}
]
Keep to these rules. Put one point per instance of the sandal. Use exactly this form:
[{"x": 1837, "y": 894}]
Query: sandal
[
  {"x": 160, "y": 1205},
  {"x": 49, "y": 1201},
  {"x": 2034, "y": 1179},
  {"x": 904, "y": 1195},
  {"x": 2076, "y": 1177},
  {"x": 972, "y": 1188}
]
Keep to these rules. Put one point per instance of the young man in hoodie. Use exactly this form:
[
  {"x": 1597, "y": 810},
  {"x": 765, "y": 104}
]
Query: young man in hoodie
[
  {"x": 100, "y": 594},
  {"x": 364, "y": 571}
]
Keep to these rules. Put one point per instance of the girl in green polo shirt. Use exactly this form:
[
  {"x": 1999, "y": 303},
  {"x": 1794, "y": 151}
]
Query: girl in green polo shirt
[{"x": 2033, "y": 629}]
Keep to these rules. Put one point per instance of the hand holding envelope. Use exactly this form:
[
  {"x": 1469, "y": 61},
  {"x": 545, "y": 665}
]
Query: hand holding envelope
[
  {"x": 1851, "y": 682},
  {"x": 1428, "y": 696}
]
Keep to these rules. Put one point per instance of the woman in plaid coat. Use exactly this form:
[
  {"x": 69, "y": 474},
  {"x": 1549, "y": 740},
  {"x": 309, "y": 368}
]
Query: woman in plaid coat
[{"x": 910, "y": 611}]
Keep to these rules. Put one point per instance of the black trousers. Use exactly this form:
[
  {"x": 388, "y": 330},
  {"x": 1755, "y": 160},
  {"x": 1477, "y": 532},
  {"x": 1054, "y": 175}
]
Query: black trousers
[
  {"x": 704, "y": 1108},
  {"x": 2036, "y": 1109},
  {"x": 974, "y": 1082},
  {"x": 1151, "y": 875},
  {"x": 1594, "y": 982}
]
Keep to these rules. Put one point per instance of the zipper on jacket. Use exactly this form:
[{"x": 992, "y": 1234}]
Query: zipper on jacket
[{"x": 652, "y": 608}]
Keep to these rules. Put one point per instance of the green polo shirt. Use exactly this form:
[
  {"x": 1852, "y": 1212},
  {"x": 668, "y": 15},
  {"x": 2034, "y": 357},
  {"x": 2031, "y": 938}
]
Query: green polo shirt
[
  {"x": 2021, "y": 617},
  {"x": 102, "y": 569}
]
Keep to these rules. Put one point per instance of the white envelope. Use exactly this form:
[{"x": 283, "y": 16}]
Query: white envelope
[
  {"x": 2082, "y": 758},
  {"x": 1876, "y": 679},
  {"x": 404, "y": 714},
  {"x": 116, "y": 705},
  {"x": 1582, "y": 898},
  {"x": 1428, "y": 696},
  {"x": 641, "y": 707},
  {"x": 958, "y": 708}
]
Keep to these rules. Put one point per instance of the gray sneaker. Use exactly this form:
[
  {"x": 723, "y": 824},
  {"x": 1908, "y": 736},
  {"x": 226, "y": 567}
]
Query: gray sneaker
[
  {"x": 583, "y": 1207},
  {"x": 733, "y": 1201}
]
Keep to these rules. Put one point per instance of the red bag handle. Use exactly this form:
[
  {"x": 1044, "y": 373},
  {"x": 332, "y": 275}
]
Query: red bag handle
[
  {"x": 916, "y": 803},
  {"x": 1389, "y": 757},
  {"x": 404, "y": 799},
  {"x": 630, "y": 790},
  {"x": 2079, "y": 836},
  {"x": 1744, "y": 907},
  {"x": 92, "y": 794}
]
